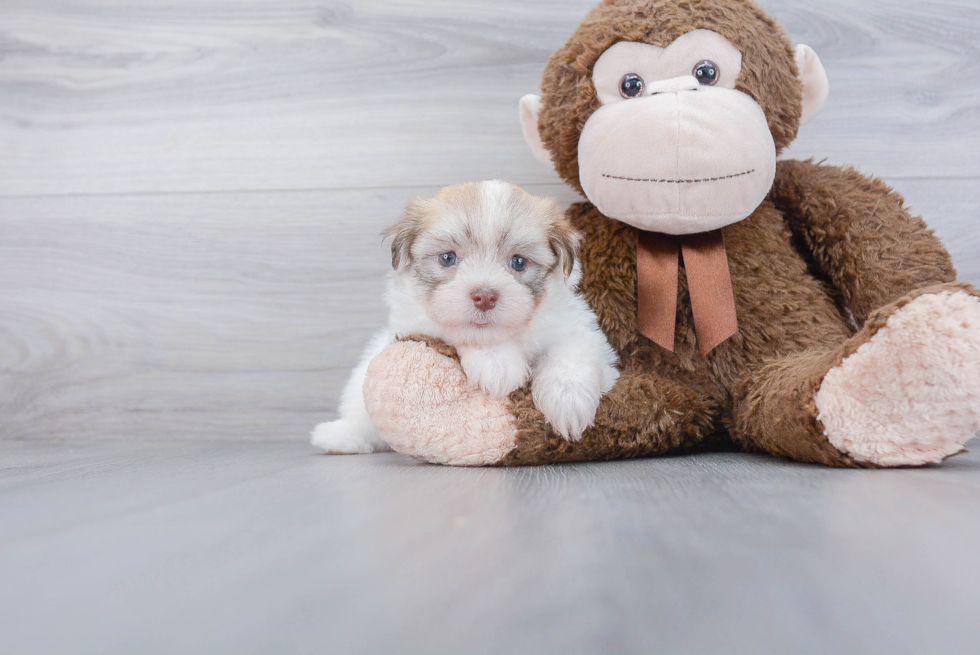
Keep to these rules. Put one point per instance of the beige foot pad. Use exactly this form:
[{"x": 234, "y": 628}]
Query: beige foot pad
[
  {"x": 423, "y": 407},
  {"x": 911, "y": 395}
]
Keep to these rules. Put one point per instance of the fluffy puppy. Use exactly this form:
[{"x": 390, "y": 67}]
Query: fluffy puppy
[{"x": 491, "y": 270}]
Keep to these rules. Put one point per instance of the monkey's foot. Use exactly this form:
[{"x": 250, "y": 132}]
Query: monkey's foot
[
  {"x": 423, "y": 407},
  {"x": 911, "y": 395}
]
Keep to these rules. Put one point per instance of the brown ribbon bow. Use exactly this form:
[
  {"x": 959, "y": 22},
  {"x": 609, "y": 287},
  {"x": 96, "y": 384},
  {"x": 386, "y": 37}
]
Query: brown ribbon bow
[{"x": 708, "y": 279}]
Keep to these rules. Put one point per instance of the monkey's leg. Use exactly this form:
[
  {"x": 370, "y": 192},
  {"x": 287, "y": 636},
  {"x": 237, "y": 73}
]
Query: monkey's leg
[
  {"x": 421, "y": 403},
  {"x": 904, "y": 391}
]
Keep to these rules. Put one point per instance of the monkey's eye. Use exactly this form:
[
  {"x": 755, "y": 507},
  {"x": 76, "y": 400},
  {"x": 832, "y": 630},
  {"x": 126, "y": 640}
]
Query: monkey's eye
[
  {"x": 448, "y": 259},
  {"x": 518, "y": 263},
  {"x": 631, "y": 86},
  {"x": 707, "y": 73}
]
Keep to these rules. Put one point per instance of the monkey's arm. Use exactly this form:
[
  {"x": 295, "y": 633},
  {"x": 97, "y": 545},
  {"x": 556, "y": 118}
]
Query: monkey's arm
[
  {"x": 641, "y": 416},
  {"x": 859, "y": 235},
  {"x": 421, "y": 403}
]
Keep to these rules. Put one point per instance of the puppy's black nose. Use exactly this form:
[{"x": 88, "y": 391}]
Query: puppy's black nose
[{"x": 485, "y": 299}]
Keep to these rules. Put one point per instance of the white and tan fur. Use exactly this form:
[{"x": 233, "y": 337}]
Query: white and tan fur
[{"x": 537, "y": 328}]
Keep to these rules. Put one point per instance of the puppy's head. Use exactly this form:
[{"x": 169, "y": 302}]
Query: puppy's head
[{"x": 481, "y": 257}]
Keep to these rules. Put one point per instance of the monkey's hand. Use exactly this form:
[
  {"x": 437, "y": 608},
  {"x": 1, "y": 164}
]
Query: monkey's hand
[{"x": 422, "y": 404}]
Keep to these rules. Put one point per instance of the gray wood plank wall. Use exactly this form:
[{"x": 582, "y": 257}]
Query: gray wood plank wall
[{"x": 191, "y": 192}]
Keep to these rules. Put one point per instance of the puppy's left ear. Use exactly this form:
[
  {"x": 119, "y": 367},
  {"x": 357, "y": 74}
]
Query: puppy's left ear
[{"x": 564, "y": 241}]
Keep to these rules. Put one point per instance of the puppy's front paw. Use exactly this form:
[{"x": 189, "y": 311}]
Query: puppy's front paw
[
  {"x": 496, "y": 371},
  {"x": 569, "y": 405},
  {"x": 345, "y": 438}
]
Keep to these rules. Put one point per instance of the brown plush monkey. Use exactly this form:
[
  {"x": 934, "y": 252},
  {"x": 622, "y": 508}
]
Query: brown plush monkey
[{"x": 794, "y": 308}]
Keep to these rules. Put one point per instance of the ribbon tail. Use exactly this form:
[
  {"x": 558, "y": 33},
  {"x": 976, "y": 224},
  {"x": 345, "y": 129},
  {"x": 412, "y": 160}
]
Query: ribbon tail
[
  {"x": 657, "y": 264},
  {"x": 710, "y": 282}
]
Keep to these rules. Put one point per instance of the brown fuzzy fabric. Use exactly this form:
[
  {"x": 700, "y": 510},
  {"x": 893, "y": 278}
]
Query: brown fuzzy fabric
[{"x": 769, "y": 72}]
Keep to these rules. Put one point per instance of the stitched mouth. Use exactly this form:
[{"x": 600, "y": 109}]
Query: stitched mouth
[{"x": 666, "y": 181}]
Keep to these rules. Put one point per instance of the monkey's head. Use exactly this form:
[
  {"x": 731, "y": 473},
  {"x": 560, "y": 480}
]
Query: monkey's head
[{"x": 669, "y": 115}]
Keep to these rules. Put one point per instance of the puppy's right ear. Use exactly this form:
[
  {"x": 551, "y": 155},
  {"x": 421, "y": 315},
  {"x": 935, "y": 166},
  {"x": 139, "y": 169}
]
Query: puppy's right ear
[{"x": 403, "y": 234}]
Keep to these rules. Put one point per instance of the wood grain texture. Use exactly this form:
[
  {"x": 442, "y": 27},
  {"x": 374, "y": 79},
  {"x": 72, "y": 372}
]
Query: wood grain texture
[
  {"x": 137, "y": 547},
  {"x": 214, "y": 95}
]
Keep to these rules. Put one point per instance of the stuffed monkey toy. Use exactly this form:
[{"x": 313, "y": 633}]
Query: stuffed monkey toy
[{"x": 786, "y": 306}]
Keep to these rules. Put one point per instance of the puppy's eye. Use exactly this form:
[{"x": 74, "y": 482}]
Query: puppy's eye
[
  {"x": 631, "y": 86},
  {"x": 518, "y": 263},
  {"x": 448, "y": 259},
  {"x": 707, "y": 73}
]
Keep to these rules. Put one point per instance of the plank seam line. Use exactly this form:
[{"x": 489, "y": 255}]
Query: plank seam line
[{"x": 136, "y": 194}]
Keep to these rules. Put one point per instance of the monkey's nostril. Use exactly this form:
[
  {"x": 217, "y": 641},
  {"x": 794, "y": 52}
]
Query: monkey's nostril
[{"x": 485, "y": 299}]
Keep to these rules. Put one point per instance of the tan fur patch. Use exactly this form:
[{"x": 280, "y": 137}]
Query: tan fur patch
[{"x": 462, "y": 198}]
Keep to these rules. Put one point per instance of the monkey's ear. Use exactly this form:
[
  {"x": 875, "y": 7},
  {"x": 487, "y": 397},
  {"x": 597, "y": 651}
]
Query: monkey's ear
[
  {"x": 530, "y": 108},
  {"x": 816, "y": 86}
]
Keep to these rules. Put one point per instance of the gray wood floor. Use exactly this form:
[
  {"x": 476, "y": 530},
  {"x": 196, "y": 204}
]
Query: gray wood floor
[
  {"x": 264, "y": 547},
  {"x": 191, "y": 193}
]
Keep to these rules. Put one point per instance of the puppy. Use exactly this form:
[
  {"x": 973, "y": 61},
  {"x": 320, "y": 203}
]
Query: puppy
[{"x": 490, "y": 269}]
